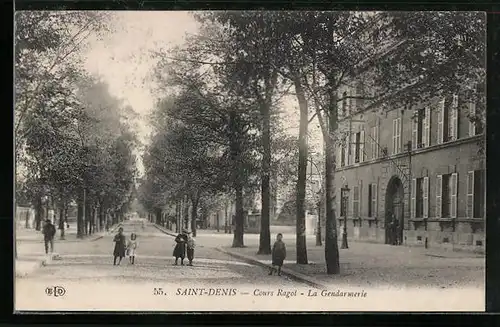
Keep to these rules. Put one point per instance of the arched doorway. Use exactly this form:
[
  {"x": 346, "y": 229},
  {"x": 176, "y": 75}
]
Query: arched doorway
[{"x": 394, "y": 211}]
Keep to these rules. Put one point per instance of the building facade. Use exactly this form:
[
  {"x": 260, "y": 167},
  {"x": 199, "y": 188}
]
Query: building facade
[{"x": 413, "y": 176}]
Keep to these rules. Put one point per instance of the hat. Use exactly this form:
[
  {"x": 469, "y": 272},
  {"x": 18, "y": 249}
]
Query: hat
[
  {"x": 185, "y": 231},
  {"x": 48, "y": 220}
]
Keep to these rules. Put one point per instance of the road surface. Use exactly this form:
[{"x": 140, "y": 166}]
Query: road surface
[{"x": 86, "y": 273}]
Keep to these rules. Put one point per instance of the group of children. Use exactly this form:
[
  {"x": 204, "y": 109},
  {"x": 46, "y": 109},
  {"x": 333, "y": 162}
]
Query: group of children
[
  {"x": 185, "y": 245},
  {"x": 124, "y": 248}
]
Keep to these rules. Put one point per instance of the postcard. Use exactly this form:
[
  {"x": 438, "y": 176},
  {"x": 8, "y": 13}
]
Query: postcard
[{"x": 265, "y": 161}]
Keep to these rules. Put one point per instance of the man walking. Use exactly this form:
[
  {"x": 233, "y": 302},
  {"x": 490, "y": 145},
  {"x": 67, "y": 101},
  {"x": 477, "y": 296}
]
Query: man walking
[{"x": 49, "y": 231}]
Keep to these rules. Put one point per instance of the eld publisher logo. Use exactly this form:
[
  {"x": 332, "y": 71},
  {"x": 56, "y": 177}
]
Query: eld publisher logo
[{"x": 55, "y": 291}]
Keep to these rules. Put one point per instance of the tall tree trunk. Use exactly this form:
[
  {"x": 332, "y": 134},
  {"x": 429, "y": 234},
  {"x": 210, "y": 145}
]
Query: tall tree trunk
[
  {"x": 88, "y": 222},
  {"x": 38, "y": 213},
  {"x": 186, "y": 212},
  {"x": 62, "y": 219},
  {"x": 331, "y": 243},
  {"x": 238, "y": 174},
  {"x": 80, "y": 214},
  {"x": 239, "y": 218},
  {"x": 27, "y": 219},
  {"x": 194, "y": 213},
  {"x": 101, "y": 217},
  {"x": 158, "y": 216},
  {"x": 301, "y": 181},
  {"x": 217, "y": 221},
  {"x": 177, "y": 216},
  {"x": 265, "y": 233}
]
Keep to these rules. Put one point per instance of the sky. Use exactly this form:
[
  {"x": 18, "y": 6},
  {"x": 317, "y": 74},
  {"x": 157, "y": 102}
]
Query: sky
[{"x": 123, "y": 60}]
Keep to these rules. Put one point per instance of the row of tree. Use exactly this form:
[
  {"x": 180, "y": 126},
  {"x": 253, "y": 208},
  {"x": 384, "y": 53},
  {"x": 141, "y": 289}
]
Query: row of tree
[
  {"x": 226, "y": 83},
  {"x": 72, "y": 142}
]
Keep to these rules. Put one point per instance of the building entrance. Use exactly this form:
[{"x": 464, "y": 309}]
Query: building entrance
[{"x": 394, "y": 212}]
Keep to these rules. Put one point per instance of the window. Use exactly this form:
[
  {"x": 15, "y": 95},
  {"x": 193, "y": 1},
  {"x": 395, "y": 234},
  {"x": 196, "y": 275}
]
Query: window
[
  {"x": 396, "y": 136},
  {"x": 446, "y": 195},
  {"x": 374, "y": 146},
  {"x": 476, "y": 187},
  {"x": 342, "y": 155},
  {"x": 343, "y": 203},
  {"x": 355, "y": 202},
  {"x": 372, "y": 200},
  {"x": 421, "y": 129},
  {"x": 420, "y": 197},
  {"x": 475, "y": 123},
  {"x": 358, "y": 146},
  {"x": 448, "y": 119}
]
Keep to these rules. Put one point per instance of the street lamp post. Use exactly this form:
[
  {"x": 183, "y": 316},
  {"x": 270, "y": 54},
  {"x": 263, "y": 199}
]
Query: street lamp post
[{"x": 344, "y": 192}]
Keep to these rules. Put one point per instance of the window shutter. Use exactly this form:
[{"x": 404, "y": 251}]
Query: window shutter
[
  {"x": 425, "y": 197},
  {"x": 441, "y": 111},
  {"x": 472, "y": 113},
  {"x": 427, "y": 127},
  {"x": 413, "y": 205},
  {"x": 454, "y": 118},
  {"x": 362, "y": 146},
  {"x": 353, "y": 147},
  {"x": 394, "y": 135},
  {"x": 374, "y": 200},
  {"x": 439, "y": 190},
  {"x": 470, "y": 194},
  {"x": 399, "y": 135},
  {"x": 453, "y": 191},
  {"x": 360, "y": 198},
  {"x": 339, "y": 156},
  {"x": 414, "y": 131},
  {"x": 346, "y": 153},
  {"x": 375, "y": 142}
]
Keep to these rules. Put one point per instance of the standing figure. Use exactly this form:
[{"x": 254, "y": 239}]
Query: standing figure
[
  {"x": 49, "y": 231},
  {"x": 180, "y": 247},
  {"x": 131, "y": 248},
  {"x": 278, "y": 254},
  {"x": 190, "y": 248},
  {"x": 119, "y": 251}
]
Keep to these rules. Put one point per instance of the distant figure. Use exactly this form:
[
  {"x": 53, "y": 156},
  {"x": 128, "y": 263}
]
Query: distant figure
[
  {"x": 119, "y": 251},
  {"x": 190, "y": 248},
  {"x": 397, "y": 232},
  {"x": 180, "y": 247},
  {"x": 278, "y": 254},
  {"x": 131, "y": 248},
  {"x": 48, "y": 231}
]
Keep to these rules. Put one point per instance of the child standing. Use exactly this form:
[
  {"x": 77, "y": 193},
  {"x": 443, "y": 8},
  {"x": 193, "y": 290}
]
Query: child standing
[
  {"x": 190, "y": 249},
  {"x": 180, "y": 247},
  {"x": 131, "y": 247},
  {"x": 119, "y": 251},
  {"x": 278, "y": 254}
]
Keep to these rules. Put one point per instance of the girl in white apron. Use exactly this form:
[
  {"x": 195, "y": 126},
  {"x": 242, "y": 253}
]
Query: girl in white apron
[{"x": 131, "y": 248}]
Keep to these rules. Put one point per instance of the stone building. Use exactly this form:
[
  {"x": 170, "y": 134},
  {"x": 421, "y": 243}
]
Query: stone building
[{"x": 419, "y": 167}]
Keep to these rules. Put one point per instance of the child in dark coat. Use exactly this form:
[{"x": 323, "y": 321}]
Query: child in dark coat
[
  {"x": 120, "y": 245},
  {"x": 180, "y": 247},
  {"x": 278, "y": 254}
]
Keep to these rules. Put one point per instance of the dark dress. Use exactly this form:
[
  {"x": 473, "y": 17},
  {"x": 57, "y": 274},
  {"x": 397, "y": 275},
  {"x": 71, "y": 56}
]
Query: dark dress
[
  {"x": 279, "y": 253},
  {"x": 119, "y": 250},
  {"x": 180, "y": 247}
]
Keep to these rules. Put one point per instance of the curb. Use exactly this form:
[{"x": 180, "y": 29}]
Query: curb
[
  {"x": 106, "y": 233},
  {"x": 38, "y": 264},
  {"x": 161, "y": 229},
  {"x": 288, "y": 272}
]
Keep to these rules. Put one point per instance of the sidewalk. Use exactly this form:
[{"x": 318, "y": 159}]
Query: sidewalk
[
  {"x": 368, "y": 264},
  {"x": 30, "y": 249}
]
